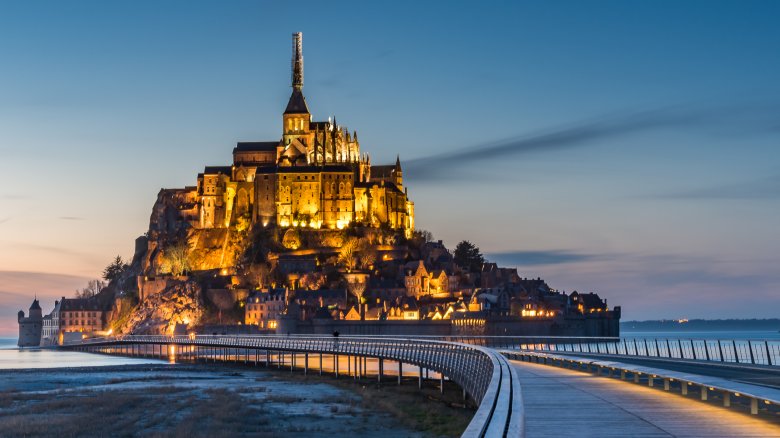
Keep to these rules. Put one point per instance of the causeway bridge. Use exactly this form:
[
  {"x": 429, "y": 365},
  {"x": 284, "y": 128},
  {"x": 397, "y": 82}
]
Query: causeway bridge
[{"x": 524, "y": 386}]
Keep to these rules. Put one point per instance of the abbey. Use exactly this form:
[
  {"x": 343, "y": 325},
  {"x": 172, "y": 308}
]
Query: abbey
[{"x": 314, "y": 176}]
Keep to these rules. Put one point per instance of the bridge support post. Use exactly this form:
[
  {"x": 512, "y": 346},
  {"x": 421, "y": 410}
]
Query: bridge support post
[
  {"x": 666, "y": 384},
  {"x": 684, "y": 388},
  {"x": 441, "y": 382},
  {"x": 622, "y": 374},
  {"x": 305, "y": 363},
  {"x": 650, "y": 381},
  {"x": 380, "y": 369},
  {"x": 704, "y": 393},
  {"x": 419, "y": 381},
  {"x": 320, "y": 363},
  {"x": 400, "y": 371},
  {"x": 754, "y": 406},
  {"x": 267, "y": 358},
  {"x": 292, "y": 361},
  {"x": 636, "y": 377},
  {"x": 726, "y": 399}
]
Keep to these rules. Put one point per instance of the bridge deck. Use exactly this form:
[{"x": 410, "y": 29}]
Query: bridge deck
[{"x": 566, "y": 403}]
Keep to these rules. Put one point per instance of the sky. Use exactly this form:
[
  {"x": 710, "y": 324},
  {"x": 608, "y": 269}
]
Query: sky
[{"x": 628, "y": 148}]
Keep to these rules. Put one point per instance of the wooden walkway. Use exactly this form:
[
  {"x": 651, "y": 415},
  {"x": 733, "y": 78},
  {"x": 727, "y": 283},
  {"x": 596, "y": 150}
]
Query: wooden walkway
[{"x": 567, "y": 403}]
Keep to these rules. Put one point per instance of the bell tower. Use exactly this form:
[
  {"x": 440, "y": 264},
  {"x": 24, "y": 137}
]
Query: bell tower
[{"x": 296, "y": 117}]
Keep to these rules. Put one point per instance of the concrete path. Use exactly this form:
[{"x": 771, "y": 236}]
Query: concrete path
[
  {"x": 754, "y": 374},
  {"x": 566, "y": 403}
]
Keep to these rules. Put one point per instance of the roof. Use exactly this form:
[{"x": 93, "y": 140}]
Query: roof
[
  {"x": 35, "y": 305},
  {"x": 297, "y": 104},
  {"x": 79, "y": 304},
  {"x": 313, "y": 169},
  {"x": 383, "y": 171},
  {"x": 211, "y": 170},
  {"x": 590, "y": 300},
  {"x": 256, "y": 146}
]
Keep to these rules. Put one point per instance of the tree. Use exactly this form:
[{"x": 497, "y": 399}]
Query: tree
[
  {"x": 357, "y": 288},
  {"x": 424, "y": 234},
  {"x": 291, "y": 239},
  {"x": 93, "y": 288},
  {"x": 258, "y": 274},
  {"x": 115, "y": 269},
  {"x": 312, "y": 280},
  {"x": 467, "y": 256},
  {"x": 176, "y": 259},
  {"x": 348, "y": 251}
]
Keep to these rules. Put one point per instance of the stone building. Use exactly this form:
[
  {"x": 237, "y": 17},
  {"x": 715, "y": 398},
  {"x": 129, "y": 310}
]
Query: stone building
[
  {"x": 30, "y": 327},
  {"x": 315, "y": 176},
  {"x": 81, "y": 315}
]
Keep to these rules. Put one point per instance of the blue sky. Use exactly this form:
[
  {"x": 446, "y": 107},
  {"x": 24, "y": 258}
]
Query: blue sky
[{"x": 628, "y": 148}]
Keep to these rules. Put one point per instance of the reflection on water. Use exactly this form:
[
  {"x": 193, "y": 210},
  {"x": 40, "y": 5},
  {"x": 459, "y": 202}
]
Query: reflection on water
[{"x": 12, "y": 357}]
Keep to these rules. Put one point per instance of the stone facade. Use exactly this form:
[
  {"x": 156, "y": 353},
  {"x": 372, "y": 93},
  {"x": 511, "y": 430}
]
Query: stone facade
[
  {"x": 31, "y": 327},
  {"x": 315, "y": 176}
]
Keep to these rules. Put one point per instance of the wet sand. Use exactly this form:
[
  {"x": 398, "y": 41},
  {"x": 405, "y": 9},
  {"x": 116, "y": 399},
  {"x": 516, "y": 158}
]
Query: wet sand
[{"x": 200, "y": 400}]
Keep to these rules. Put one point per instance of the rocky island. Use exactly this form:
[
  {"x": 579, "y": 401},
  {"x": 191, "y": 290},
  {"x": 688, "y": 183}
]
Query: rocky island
[{"x": 305, "y": 235}]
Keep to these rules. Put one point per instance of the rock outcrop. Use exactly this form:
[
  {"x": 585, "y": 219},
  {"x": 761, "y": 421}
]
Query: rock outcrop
[{"x": 181, "y": 303}]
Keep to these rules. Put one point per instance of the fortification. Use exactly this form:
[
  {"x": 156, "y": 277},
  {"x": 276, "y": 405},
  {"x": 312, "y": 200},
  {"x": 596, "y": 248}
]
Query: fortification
[{"x": 31, "y": 327}]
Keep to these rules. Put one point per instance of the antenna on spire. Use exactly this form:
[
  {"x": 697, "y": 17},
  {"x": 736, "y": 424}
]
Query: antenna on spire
[{"x": 297, "y": 61}]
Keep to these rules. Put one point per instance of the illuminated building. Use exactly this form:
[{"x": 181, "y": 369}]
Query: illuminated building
[{"x": 315, "y": 176}]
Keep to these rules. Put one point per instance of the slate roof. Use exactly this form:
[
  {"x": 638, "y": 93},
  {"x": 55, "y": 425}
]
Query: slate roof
[
  {"x": 297, "y": 104},
  {"x": 383, "y": 171},
  {"x": 211, "y": 170},
  {"x": 79, "y": 304},
  {"x": 256, "y": 146}
]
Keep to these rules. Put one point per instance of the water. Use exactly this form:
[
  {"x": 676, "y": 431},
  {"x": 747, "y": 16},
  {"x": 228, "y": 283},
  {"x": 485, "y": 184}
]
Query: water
[
  {"x": 714, "y": 334},
  {"x": 12, "y": 357}
]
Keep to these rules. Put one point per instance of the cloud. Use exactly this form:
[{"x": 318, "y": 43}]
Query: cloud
[
  {"x": 765, "y": 188},
  {"x": 19, "y": 288},
  {"x": 541, "y": 257},
  {"x": 750, "y": 118},
  {"x": 13, "y": 197},
  {"x": 71, "y": 218},
  {"x": 88, "y": 258},
  {"x": 5, "y": 219}
]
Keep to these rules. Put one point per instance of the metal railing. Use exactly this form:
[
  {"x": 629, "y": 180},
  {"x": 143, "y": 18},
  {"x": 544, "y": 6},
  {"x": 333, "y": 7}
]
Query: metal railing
[
  {"x": 483, "y": 373},
  {"x": 744, "y": 351}
]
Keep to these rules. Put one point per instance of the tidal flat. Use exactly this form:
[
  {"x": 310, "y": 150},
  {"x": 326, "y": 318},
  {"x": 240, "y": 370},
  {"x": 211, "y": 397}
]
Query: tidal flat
[{"x": 190, "y": 400}]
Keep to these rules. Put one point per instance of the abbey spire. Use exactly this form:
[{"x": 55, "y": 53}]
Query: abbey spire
[
  {"x": 297, "y": 61},
  {"x": 297, "y": 103}
]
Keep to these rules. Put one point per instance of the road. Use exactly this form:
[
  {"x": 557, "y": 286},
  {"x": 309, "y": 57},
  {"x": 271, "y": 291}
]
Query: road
[{"x": 566, "y": 403}]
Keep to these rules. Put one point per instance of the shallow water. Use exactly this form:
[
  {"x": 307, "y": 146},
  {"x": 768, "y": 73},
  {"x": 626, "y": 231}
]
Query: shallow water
[
  {"x": 12, "y": 357},
  {"x": 715, "y": 334}
]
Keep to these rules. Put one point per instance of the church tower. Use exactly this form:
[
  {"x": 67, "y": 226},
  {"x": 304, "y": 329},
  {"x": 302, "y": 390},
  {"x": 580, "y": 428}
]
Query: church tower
[{"x": 296, "y": 116}]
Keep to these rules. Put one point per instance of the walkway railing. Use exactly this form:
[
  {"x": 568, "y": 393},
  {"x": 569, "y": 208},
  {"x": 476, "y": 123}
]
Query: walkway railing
[
  {"x": 730, "y": 392},
  {"x": 483, "y": 373},
  {"x": 741, "y": 351},
  {"x": 755, "y": 352}
]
